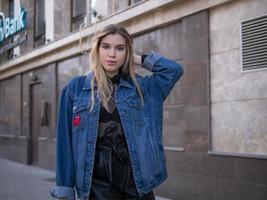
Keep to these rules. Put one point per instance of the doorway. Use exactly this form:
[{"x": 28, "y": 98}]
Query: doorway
[{"x": 35, "y": 123}]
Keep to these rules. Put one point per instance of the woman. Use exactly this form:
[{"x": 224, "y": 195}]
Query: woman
[{"x": 109, "y": 134}]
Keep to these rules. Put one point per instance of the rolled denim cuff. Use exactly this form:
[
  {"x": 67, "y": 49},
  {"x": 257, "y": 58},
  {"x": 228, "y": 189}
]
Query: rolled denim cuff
[
  {"x": 63, "y": 192},
  {"x": 150, "y": 60}
]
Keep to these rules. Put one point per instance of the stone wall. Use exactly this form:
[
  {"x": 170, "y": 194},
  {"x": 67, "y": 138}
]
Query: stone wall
[{"x": 239, "y": 104}]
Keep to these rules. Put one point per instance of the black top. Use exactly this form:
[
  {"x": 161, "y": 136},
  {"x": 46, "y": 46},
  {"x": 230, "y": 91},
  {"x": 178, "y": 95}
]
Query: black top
[{"x": 112, "y": 176}]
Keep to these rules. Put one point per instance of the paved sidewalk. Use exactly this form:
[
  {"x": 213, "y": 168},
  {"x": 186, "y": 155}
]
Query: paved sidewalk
[{"x": 22, "y": 182}]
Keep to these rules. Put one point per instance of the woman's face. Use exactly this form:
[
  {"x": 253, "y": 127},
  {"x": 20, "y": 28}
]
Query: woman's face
[{"x": 112, "y": 53}]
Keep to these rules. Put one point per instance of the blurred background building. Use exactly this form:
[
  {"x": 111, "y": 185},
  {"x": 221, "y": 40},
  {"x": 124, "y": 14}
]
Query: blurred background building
[{"x": 215, "y": 119}]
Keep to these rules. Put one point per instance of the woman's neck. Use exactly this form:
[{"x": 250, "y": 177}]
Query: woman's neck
[
  {"x": 115, "y": 78},
  {"x": 112, "y": 74}
]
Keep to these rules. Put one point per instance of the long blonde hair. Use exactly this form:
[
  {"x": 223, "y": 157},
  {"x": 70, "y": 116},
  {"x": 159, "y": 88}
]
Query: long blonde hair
[{"x": 104, "y": 86}]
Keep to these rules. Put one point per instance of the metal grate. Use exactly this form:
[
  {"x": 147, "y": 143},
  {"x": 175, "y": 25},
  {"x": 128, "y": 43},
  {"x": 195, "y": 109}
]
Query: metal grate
[{"x": 254, "y": 43}]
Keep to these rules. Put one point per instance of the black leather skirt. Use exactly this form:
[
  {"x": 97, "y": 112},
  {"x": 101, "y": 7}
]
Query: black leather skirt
[{"x": 112, "y": 176}]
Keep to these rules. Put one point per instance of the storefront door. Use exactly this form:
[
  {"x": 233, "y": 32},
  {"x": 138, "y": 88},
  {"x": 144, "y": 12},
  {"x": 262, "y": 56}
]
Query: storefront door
[{"x": 35, "y": 122}]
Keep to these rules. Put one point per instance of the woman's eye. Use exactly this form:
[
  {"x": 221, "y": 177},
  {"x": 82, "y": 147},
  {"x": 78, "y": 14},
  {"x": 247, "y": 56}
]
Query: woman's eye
[
  {"x": 105, "y": 46},
  {"x": 120, "y": 48}
]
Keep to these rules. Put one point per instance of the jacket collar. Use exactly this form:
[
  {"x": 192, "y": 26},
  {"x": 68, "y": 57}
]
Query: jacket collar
[{"x": 123, "y": 82}]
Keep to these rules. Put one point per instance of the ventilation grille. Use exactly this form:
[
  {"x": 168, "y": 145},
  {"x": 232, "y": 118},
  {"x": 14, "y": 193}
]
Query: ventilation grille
[{"x": 254, "y": 43}]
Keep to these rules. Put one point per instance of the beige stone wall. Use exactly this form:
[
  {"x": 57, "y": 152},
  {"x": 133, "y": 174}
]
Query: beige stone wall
[
  {"x": 139, "y": 18},
  {"x": 239, "y": 99}
]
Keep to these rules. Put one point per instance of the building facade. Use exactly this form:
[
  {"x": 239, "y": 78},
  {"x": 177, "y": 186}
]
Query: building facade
[{"x": 215, "y": 130}]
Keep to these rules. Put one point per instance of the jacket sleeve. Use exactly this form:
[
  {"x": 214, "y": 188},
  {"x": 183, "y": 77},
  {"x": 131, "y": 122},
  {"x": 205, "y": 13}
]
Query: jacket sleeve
[
  {"x": 64, "y": 187},
  {"x": 165, "y": 73}
]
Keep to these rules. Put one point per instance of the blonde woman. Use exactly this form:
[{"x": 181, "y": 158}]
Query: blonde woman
[{"x": 109, "y": 133}]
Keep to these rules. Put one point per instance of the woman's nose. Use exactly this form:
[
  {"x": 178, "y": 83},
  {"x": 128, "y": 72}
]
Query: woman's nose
[{"x": 112, "y": 52}]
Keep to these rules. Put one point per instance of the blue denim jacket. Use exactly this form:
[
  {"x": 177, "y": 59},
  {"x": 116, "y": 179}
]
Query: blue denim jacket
[{"x": 77, "y": 129}]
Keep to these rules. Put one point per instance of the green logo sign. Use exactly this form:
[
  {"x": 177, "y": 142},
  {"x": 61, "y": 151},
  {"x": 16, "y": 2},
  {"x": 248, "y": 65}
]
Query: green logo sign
[{"x": 10, "y": 26}]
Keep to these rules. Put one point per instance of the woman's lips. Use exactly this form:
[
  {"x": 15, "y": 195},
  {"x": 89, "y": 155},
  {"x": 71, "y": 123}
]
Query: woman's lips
[{"x": 110, "y": 62}]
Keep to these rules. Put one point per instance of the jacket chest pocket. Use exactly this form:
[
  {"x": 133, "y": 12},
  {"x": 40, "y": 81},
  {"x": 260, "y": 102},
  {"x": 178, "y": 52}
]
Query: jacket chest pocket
[
  {"x": 136, "y": 111},
  {"x": 80, "y": 112}
]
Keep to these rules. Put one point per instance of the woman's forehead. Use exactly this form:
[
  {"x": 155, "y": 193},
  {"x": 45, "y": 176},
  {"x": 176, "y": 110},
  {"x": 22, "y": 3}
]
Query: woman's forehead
[{"x": 114, "y": 39}]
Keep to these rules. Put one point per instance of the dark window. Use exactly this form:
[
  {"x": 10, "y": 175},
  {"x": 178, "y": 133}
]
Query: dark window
[
  {"x": 11, "y": 15},
  {"x": 78, "y": 13},
  {"x": 39, "y": 34},
  {"x": 11, "y": 8},
  {"x": 254, "y": 43}
]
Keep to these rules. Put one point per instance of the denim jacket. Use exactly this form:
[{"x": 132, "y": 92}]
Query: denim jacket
[{"x": 142, "y": 124}]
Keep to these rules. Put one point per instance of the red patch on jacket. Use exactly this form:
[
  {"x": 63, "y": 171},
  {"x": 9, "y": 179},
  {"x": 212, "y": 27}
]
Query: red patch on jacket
[{"x": 76, "y": 120}]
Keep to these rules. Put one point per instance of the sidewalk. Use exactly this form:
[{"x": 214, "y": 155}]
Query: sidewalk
[{"x": 22, "y": 182}]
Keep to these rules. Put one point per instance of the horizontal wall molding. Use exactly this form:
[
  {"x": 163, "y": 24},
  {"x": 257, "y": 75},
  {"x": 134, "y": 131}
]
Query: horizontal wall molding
[
  {"x": 137, "y": 19},
  {"x": 241, "y": 155},
  {"x": 177, "y": 149}
]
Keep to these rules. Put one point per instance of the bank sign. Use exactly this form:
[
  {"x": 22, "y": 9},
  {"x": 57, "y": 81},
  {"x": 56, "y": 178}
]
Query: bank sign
[{"x": 10, "y": 26}]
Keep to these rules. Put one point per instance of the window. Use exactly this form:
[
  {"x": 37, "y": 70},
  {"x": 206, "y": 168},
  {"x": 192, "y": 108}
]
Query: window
[
  {"x": 11, "y": 15},
  {"x": 117, "y": 5},
  {"x": 254, "y": 43},
  {"x": 39, "y": 31},
  {"x": 134, "y": 1},
  {"x": 78, "y": 13},
  {"x": 104, "y": 8},
  {"x": 11, "y": 8}
]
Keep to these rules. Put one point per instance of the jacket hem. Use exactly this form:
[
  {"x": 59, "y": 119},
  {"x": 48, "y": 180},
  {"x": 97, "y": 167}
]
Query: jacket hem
[
  {"x": 63, "y": 192},
  {"x": 163, "y": 176}
]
